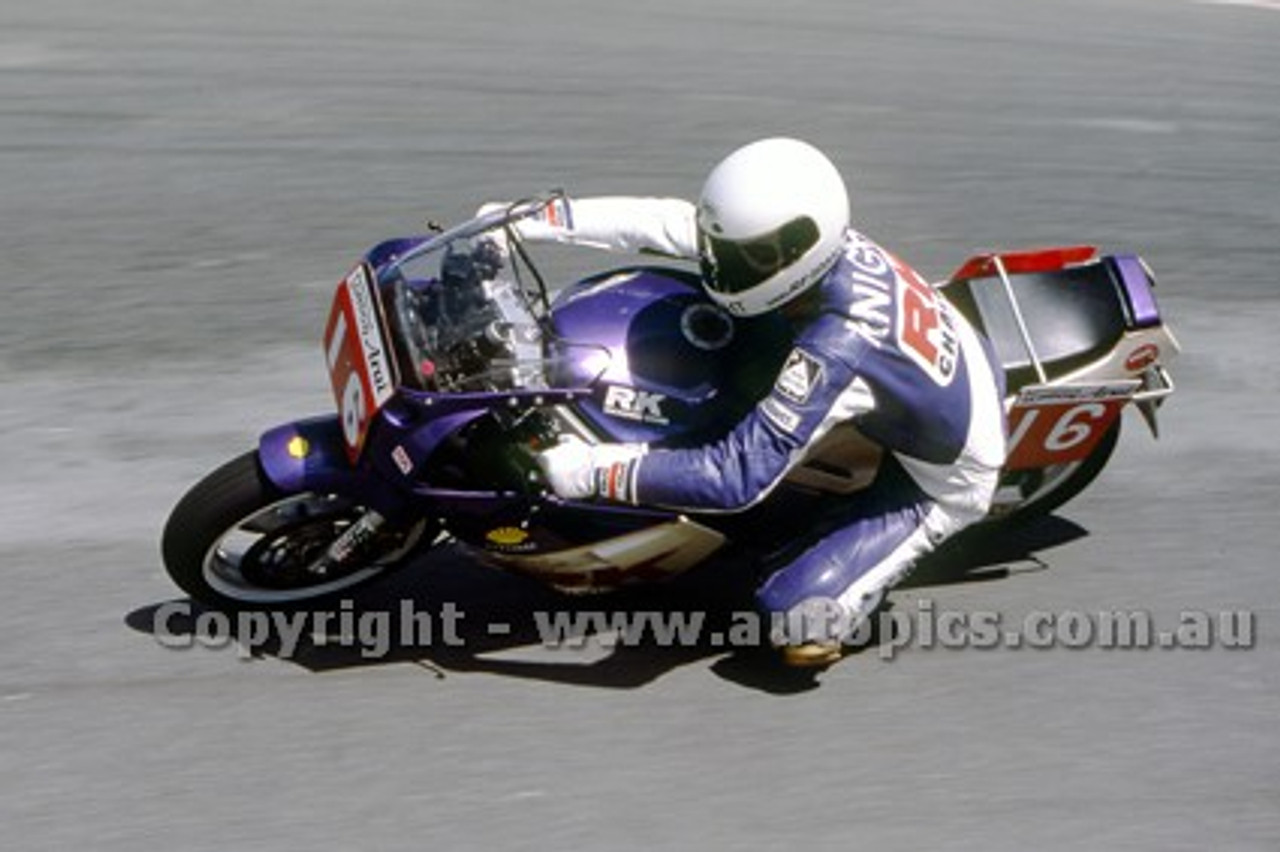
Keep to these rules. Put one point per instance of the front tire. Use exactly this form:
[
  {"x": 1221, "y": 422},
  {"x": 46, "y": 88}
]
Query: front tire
[{"x": 237, "y": 541}]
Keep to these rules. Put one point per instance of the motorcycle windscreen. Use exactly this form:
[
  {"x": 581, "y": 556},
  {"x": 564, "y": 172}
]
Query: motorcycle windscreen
[{"x": 361, "y": 369}]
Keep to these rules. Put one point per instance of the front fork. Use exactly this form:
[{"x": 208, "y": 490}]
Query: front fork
[{"x": 351, "y": 546}]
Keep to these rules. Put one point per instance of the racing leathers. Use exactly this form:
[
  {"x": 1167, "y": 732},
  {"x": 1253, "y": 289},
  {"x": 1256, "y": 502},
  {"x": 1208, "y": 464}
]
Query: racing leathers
[{"x": 874, "y": 346}]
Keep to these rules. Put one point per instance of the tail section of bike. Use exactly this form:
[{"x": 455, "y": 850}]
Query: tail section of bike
[{"x": 1080, "y": 338}]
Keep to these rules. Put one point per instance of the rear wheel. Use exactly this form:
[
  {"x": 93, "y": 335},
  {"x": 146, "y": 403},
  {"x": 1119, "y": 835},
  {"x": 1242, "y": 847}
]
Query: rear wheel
[
  {"x": 236, "y": 541},
  {"x": 1027, "y": 494}
]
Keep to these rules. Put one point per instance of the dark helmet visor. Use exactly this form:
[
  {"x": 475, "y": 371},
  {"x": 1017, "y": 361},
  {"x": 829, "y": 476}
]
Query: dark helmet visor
[{"x": 732, "y": 266}]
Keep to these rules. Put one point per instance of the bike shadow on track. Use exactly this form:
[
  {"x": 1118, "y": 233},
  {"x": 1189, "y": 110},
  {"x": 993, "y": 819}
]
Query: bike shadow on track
[{"x": 449, "y": 615}]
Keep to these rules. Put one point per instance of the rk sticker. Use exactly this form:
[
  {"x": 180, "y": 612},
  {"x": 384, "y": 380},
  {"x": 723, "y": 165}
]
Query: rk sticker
[{"x": 635, "y": 404}]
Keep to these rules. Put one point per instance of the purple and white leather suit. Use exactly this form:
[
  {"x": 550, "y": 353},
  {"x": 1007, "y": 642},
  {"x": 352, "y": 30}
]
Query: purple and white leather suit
[{"x": 882, "y": 350}]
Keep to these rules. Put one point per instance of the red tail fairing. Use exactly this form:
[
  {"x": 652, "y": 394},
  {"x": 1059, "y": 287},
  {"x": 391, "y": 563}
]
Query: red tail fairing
[{"x": 1020, "y": 262}]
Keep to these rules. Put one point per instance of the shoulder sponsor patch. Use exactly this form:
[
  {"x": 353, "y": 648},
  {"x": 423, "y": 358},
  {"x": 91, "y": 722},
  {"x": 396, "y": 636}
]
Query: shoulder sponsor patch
[{"x": 800, "y": 375}]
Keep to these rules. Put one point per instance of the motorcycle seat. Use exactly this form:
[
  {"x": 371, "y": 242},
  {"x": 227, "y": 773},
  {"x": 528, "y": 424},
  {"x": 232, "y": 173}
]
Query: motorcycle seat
[{"x": 1074, "y": 316}]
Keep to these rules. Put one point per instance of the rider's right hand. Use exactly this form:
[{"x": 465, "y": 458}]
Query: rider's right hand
[{"x": 572, "y": 466}]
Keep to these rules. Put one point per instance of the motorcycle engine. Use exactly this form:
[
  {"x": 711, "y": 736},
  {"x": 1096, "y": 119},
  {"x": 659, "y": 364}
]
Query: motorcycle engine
[{"x": 470, "y": 329}]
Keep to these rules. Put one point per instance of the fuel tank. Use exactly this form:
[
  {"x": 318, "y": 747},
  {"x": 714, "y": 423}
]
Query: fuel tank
[{"x": 665, "y": 364}]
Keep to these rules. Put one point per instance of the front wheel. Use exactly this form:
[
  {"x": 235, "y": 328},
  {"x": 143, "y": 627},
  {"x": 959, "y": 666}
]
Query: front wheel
[{"x": 236, "y": 540}]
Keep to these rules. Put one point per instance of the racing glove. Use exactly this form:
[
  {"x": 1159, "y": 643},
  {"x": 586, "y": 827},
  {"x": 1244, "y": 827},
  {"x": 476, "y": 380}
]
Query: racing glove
[{"x": 576, "y": 470}]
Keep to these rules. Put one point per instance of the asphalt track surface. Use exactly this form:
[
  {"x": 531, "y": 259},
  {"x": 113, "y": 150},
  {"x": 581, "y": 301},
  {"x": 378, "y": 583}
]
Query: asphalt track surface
[{"x": 181, "y": 184}]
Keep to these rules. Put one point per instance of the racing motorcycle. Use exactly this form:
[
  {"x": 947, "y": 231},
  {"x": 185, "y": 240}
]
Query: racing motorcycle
[{"x": 452, "y": 363}]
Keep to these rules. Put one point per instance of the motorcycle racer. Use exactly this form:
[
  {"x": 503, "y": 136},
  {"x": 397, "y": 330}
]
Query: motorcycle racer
[{"x": 872, "y": 345}]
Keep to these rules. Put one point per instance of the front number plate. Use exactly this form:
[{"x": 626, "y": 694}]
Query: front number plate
[{"x": 356, "y": 353}]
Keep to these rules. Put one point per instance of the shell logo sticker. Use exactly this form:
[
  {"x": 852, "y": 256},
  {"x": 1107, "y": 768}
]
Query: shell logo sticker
[
  {"x": 1142, "y": 357},
  {"x": 507, "y": 536}
]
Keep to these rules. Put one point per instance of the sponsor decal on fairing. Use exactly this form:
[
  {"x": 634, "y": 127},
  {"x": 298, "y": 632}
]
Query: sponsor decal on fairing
[{"x": 629, "y": 403}]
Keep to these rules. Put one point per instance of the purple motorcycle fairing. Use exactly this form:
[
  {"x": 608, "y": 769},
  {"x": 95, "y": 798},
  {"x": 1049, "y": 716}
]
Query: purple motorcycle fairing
[
  {"x": 387, "y": 476},
  {"x": 311, "y": 455},
  {"x": 406, "y": 431},
  {"x": 389, "y": 250},
  {"x": 1138, "y": 289}
]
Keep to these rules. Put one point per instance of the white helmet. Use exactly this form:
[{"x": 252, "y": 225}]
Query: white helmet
[{"x": 771, "y": 222}]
